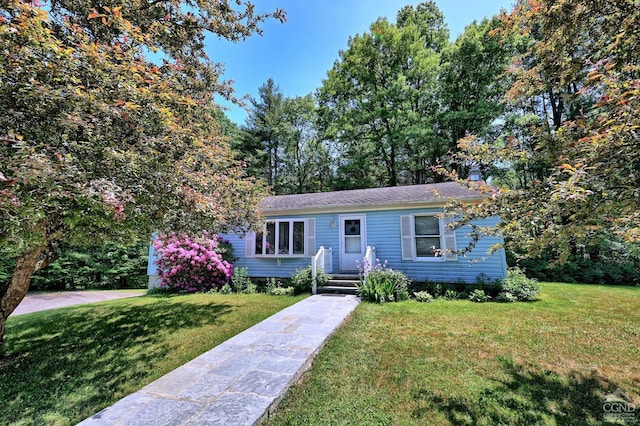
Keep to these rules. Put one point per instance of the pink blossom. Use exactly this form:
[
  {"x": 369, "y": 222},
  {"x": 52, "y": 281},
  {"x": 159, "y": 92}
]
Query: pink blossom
[{"x": 191, "y": 264}]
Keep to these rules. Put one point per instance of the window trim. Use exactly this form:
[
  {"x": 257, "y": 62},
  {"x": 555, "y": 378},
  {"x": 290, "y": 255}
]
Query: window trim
[
  {"x": 440, "y": 236},
  {"x": 408, "y": 239},
  {"x": 277, "y": 222}
]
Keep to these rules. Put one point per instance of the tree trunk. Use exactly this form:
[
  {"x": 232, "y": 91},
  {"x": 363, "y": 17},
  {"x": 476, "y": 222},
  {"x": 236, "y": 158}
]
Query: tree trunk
[{"x": 26, "y": 265}]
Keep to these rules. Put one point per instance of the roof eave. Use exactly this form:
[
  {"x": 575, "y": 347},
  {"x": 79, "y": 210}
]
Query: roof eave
[{"x": 365, "y": 207}]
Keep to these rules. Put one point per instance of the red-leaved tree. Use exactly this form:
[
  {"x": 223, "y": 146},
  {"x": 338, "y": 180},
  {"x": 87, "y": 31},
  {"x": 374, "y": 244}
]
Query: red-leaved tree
[{"x": 97, "y": 141}]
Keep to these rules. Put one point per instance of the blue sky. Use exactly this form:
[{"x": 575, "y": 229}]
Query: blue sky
[{"x": 298, "y": 53}]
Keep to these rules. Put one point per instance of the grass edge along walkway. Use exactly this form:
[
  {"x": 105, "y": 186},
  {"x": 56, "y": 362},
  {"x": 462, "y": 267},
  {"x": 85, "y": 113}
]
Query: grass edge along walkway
[
  {"x": 552, "y": 361},
  {"x": 240, "y": 381},
  {"x": 64, "y": 365}
]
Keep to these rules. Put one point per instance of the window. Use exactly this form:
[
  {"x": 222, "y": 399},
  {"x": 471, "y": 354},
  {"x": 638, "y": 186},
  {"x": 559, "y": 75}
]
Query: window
[
  {"x": 427, "y": 237},
  {"x": 284, "y": 237}
]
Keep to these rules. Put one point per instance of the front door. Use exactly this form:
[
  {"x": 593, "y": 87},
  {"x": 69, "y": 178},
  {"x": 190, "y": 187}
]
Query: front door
[{"x": 352, "y": 241}]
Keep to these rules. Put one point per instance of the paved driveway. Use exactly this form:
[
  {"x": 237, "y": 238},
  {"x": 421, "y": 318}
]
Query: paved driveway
[{"x": 42, "y": 301}]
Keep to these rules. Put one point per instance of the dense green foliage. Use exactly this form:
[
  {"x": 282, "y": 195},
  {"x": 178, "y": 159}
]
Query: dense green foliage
[
  {"x": 281, "y": 144},
  {"x": 423, "y": 296},
  {"x": 478, "y": 296},
  {"x": 391, "y": 108},
  {"x": 302, "y": 280},
  {"x": 382, "y": 284},
  {"x": 543, "y": 98},
  {"x": 106, "y": 266},
  {"x": 517, "y": 285},
  {"x": 110, "y": 265},
  {"x": 569, "y": 157},
  {"x": 108, "y": 128},
  {"x": 241, "y": 283},
  {"x": 603, "y": 260}
]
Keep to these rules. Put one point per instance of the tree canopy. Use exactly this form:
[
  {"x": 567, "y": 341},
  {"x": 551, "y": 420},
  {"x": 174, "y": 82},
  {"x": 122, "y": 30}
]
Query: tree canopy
[
  {"x": 378, "y": 103},
  {"x": 579, "y": 78},
  {"x": 544, "y": 98},
  {"x": 102, "y": 138}
]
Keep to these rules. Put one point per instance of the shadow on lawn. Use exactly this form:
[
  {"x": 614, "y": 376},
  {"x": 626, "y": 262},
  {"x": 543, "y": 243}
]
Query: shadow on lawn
[
  {"x": 84, "y": 356},
  {"x": 525, "y": 397}
]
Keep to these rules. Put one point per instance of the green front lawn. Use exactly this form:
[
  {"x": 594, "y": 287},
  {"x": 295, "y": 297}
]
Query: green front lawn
[
  {"x": 65, "y": 365},
  {"x": 455, "y": 362}
]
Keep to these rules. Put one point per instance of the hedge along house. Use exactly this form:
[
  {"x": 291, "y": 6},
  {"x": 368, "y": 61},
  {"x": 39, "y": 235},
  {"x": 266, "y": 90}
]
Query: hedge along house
[{"x": 336, "y": 231}]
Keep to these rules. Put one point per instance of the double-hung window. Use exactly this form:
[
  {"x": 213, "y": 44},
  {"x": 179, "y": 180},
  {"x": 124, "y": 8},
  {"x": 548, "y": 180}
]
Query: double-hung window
[
  {"x": 427, "y": 237},
  {"x": 279, "y": 238}
]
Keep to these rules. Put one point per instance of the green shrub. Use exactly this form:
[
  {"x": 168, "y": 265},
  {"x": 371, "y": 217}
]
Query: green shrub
[
  {"x": 438, "y": 290},
  {"x": 382, "y": 284},
  {"x": 463, "y": 295},
  {"x": 302, "y": 280},
  {"x": 109, "y": 265},
  {"x": 250, "y": 288},
  {"x": 506, "y": 297},
  {"x": 423, "y": 296},
  {"x": 276, "y": 288},
  {"x": 225, "y": 289},
  {"x": 241, "y": 282},
  {"x": 605, "y": 259},
  {"x": 478, "y": 296},
  {"x": 281, "y": 291},
  {"x": 270, "y": 284},
  {"x": 521, "y": 287},
  {"x": 450, "y": 294}
]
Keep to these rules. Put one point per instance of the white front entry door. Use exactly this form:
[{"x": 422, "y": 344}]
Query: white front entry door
[{"x": 352, "y": 241}]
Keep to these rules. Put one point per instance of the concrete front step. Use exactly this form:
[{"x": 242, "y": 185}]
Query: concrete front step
[
  {"x": 341, "y": 284},
  {"x": 337, "y": 289},
  {"x": 347, "y": 277}
]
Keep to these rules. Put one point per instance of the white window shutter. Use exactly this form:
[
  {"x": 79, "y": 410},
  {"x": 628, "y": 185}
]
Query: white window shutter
[
  {"x": 449, "y": 253},
  {"x": 406, "y": 232},
  {"x": 250, "y": 244},
  {"x": 310, "y": 237}
]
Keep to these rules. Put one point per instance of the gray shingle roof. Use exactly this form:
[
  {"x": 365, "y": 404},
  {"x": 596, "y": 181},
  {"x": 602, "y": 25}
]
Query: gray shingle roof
[{"x": 418, "y": 195}]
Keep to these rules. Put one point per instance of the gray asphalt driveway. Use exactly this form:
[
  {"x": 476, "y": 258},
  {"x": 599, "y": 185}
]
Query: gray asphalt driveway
[{"x": 41, "y": 301}]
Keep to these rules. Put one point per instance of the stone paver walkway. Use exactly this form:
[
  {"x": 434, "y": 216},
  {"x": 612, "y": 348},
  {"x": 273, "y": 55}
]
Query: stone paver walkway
[{"x": 240, "y": 381}]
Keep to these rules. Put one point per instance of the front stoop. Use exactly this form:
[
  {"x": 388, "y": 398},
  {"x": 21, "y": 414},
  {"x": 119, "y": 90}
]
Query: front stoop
[{"x": 341, "y": 284}]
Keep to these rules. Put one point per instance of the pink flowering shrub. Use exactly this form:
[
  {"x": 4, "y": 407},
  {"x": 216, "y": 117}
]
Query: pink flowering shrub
[{"x": 191, "y": 264}]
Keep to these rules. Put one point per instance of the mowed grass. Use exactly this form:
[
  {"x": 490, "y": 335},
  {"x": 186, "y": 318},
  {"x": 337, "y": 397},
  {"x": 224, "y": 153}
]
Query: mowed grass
[
  {"x": 455, "y": 362},
  {"x": 64, "y": 365}
]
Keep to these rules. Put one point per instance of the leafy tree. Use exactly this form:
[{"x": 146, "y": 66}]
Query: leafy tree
[
  {"x": 307, "y": 163},
  {"x": 379, "y": 101},
  {"x": 472, "y": 82},
  {"x": 281, "y": 144},
  {"x": 428, "y": 21},
  {"x": 110, "y": 265},
  {"x": 99, "y": 142},
  {"x": 580, "y": 76}
]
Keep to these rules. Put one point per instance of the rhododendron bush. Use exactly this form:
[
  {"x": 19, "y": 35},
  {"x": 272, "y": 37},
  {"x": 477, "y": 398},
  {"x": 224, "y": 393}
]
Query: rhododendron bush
[{"x": 192, "y": 264}]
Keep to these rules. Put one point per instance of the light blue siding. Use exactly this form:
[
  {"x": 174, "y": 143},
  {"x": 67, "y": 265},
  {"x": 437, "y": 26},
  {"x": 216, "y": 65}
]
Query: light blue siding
[
  {"x": 383, "y": 230},
  {"x": 152, "y": 268},
  {"x": 383, "y": 233},
  {"x": 282, "y": 267}
]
